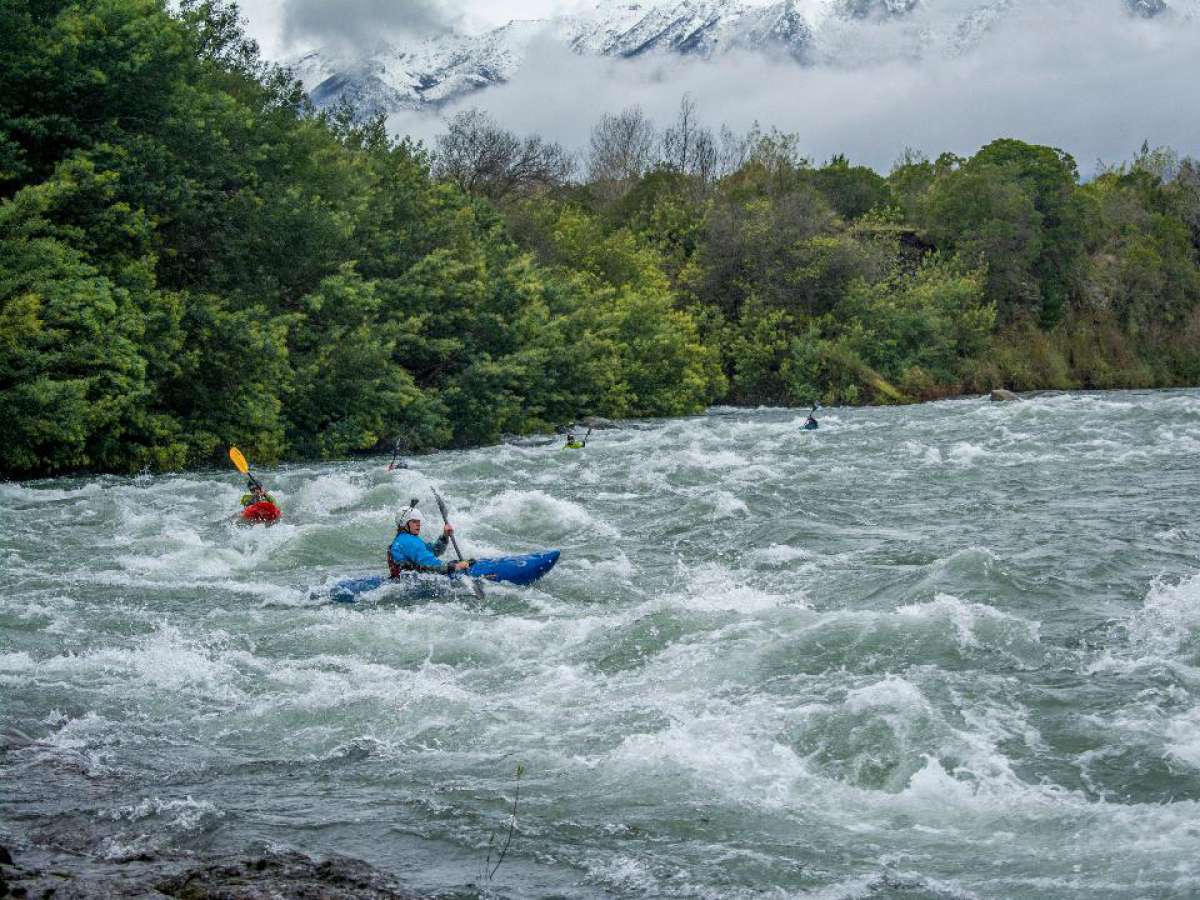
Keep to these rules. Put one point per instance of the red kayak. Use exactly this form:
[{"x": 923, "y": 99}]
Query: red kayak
[{"x": 265, "y": 512}]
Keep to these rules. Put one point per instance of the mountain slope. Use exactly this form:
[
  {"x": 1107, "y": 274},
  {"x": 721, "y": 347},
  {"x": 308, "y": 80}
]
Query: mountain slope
[{"x": 434, "y": 71}]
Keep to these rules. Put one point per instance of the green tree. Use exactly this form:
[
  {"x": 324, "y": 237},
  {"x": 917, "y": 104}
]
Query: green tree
[
  {"x": 70, "y": 374},
  {"x": 851, "y": 190},
  {"x": 346, "y": 393},
  {"x": 1049, "y": 177},
  {"x": 982, "y": 216}
]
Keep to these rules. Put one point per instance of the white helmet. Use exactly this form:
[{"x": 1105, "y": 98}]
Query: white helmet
[{"x": 408, "y": 514}]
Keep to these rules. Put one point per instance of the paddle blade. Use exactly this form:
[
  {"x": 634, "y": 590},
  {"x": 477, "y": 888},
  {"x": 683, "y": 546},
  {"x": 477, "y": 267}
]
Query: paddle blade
[{"x": 238, "y": 460}]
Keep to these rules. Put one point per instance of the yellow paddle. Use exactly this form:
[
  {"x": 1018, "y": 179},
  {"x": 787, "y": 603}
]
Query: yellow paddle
[{"x": 242, "y": 466}]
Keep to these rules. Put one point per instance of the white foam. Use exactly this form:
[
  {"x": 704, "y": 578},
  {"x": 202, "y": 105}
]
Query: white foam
[
  {"x": 1183, "y": 738},
  {"x": 726, "y": 505},
  {"x": 626, "y": 873},
  {"x": 968, "y": 618},
  {"x": 618, "y": 566},
  {"x": 712, "y": 586},
  {"x": 1168, "y": 620},
  {"x": 55, "y": 612},
  {"x": 721, "y": 754},
  {"x": 28, "y": 494},
  {"x": 185, "y": 815},
  {"x": 780, "y": 554},
  {"x": 328, "y": 682},
  {"x": 964, "y": 453},
  {"x": 537, "y": 510},
  {"x": 934, "y": 789},
  {"x": 891, "y": 693},
  {"x": 699, "y": 457},
  {"x": 85, "y": 743},
  {"x": 15, "y": 663},
  {"x": 323, "y": 496},
  {"x": 164, "y": 659}
]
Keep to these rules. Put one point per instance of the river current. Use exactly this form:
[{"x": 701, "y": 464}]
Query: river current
[{"x": 946, "y": 651}]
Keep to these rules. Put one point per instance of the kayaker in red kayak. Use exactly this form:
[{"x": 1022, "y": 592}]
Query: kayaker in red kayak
[
  {"x": 257, "y": 494},
  {"x": 258, "y": 505}
]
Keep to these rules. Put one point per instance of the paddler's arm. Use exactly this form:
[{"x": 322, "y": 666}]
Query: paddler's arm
[
  {"x": 456, "y": 565},
  {"x": 443, "y": 568},
  {"x": 421, "y": 556},
  {"x": 438, "y": 547}
]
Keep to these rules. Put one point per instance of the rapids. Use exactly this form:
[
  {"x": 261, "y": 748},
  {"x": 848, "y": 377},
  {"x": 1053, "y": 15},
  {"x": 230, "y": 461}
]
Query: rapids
[{"x": 947, "y": 651}]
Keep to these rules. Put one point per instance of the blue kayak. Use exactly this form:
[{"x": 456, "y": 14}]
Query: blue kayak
[{"x": 524, "y": 569}]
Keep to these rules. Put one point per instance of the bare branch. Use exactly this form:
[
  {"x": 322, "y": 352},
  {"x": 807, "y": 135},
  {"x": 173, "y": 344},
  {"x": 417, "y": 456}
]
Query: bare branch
[
  {"x": 488, "y": 161},
  {"x": 622, "y": 150}
]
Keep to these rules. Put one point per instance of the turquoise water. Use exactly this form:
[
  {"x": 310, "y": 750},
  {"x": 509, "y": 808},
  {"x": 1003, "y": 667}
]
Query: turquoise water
[{"x": 948, "y": 651}]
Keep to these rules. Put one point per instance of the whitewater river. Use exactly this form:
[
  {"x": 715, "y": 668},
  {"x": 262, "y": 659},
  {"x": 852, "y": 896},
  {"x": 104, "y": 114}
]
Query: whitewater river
[{"x": 948, "y": 651}]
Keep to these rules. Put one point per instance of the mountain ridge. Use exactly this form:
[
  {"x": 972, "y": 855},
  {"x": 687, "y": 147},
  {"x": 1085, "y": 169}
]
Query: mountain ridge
[{"x": 434, "y": 71}]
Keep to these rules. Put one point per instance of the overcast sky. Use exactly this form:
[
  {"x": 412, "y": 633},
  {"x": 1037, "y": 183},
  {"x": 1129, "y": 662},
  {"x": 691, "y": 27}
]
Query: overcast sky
[
  {"x": 1078, "y": 74},
  {"x": 285, "y": 26}
]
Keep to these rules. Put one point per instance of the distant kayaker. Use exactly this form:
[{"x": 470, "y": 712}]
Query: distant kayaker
[
  {"x": 397, "y": 462},
  {"x": 574, "y": 443},
  {"x": 257, "y": 494},
  {"x": 810, "y": 423},
  {"x": 408, "y": 553}
]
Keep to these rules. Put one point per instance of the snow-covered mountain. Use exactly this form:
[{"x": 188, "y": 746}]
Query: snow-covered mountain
[{"x": 427, "y": 73}]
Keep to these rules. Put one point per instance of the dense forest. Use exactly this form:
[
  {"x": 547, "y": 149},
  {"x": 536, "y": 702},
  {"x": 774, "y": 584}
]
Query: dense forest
[{"x": 192, "y": 257}]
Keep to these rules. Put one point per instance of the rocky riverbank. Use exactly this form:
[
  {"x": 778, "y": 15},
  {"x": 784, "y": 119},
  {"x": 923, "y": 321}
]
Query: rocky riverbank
[{"x": 269, "y": 875}]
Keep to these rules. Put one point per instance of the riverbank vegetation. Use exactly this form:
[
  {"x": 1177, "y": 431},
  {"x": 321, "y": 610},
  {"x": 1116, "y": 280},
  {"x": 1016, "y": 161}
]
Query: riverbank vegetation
[{"x": 192, "y": 257}]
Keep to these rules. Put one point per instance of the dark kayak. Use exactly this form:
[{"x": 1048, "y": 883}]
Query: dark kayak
[
  {"x": 810, "y": 426},
  {"x": 524, "y": 569}
]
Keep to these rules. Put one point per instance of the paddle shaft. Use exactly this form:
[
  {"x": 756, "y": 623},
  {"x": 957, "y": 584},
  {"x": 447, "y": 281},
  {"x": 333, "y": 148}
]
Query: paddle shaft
[
  {"x": 476, "y": 587},
  {"x": 446, "y": 520}
]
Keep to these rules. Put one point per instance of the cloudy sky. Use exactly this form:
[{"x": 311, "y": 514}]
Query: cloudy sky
[
  {"x": 284, "y": 26},
  {"x": 1078, "y": 74}
]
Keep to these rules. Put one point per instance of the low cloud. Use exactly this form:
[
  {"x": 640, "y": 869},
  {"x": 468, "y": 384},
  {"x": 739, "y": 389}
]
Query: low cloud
[
  {"x": 1081, "y": 75},
  {"x": 353, "y": 24}
]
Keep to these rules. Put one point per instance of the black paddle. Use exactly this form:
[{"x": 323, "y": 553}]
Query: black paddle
[
  {"x": 571, "y": 445},
  {"x": 475, "y": 585},
  {"x": 396, "y": 455}
]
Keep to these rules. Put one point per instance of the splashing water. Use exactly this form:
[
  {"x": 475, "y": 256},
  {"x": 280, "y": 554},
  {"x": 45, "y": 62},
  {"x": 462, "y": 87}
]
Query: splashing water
[{"x": 938, "y": 652}]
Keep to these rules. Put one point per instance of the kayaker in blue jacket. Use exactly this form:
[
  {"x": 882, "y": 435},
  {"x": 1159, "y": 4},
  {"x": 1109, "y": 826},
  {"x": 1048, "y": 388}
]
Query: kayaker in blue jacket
[{"x": 408, "y": 553}]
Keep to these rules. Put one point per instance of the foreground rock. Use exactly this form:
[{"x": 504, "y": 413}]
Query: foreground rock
[
  {"x": 267, "y": 876},
  {"x": 285, "y": 875},
  {"x": 1000, "y": 395}
]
